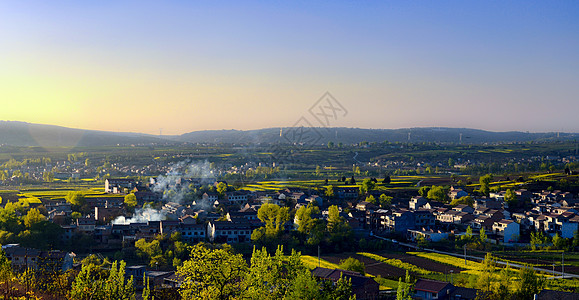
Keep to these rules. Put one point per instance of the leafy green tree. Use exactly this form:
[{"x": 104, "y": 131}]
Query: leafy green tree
[
  {"x": 341, "y": 289},
  {"x": 146, "y": 294},
  {"x": 339, "y": 232},
  {"x": 538, "y": 239},
  {"x": 304, "y": 217},
  {"x": 318, "y": 170},
  {"x": 485, "y": 182},
  {"x": 386, "y": 179},
  {"x": 558, "y": 242},
  {"x": 75, "y": 198},
  {"x": 511, "y": 198},
  {"x": 405, "y": 289},
  {"x": 131, "y": 201},
  {"x": 468, "y": 234},
  {"x": 48, "y": 176},
  {"x": 423, "y": 191},
  {"x": 151, "y": 251},
  {"x": 367, "y": 185},
  {"x": 273, "y": 216},
  {"x": 437, "y": 193},
  {"x": 304, "y": 287},
  {"x": 385, "y": 201},
  {"x": 92, "y": 282},
  {"x": 334, "y": 218},
  {"x": 466, "y": 200},
  {"x": 503, "y": 289},
  {"x": 486, "y": 278},
  {"x": 575, "y": 243},
  {"x": 88, "y": 284},
  {"x": 117, "y": 286},
  {"x": 75, "y": 215},
  {"x": 33, "y": 217},
  {"x": 482, "y": 235},
  {"x": 270, "y": 276},
  {"x": 421, "y": 242},
  {"x": 329, "y": 191},
  {"x": 352, "y": 264},
  {"x": 213, "y": 274},
  {"x": 371, "y": 199},
  {"x": 6, "y": 274},
  {"x": 221, "y": 188},
  {"x": 530, "y": 283}
]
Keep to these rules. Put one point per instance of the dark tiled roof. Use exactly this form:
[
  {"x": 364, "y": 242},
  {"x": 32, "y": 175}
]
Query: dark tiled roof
[
  {"x": 356, "y": 278},
  {"x": 556, "y": 295},
  {"x": 463, "y": 293},
  {"x": 431, "y": 286}
]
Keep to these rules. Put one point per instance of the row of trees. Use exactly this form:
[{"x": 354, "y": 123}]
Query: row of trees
[
  {"x": 219, "y": 273},
  {"x": 497, "y": 283},
  {"x": 27, "y": 227}
]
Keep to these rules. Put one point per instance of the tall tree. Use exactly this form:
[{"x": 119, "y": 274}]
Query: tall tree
[
  {"x": 352, "y": 264},
  {"x": 405, "y": 289},
  {"x": 485, "y": 182},
  {"x": 329, "y": 191},
  {"x": 437, "y": 193},
  {"x": 385, "y": 201},
  {"x": 6, "y": 275},
  {"x": 304, "y": 217},
  {"x": 367, "y": 185},
  {"x": 117, "y": 286},
  {"x": 273, "y": 216},
  {"x": 483, "y": 235},
  {"x": 213, "y": 274},
  {"x": 75, "y": 198},
  {"x": 88, "y": 284},
  {"x": 221, "y": 188},
  {"x": 511, "y": 199},
  {"x": 269, "y": 276},
  {"x": 131, "y": 200},
  {"x": 530, "y": 283},
  {"x": 33, "y": 217}
]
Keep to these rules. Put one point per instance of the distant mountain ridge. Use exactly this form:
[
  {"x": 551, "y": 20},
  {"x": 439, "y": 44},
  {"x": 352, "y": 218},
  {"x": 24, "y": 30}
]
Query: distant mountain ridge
[{"x": 15, "y": 133}]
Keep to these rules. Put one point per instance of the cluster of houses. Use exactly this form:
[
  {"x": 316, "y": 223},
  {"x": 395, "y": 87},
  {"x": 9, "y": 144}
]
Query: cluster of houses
[
  {"x": 22, "y": 258},
  {"x": 552, "y": 212}
]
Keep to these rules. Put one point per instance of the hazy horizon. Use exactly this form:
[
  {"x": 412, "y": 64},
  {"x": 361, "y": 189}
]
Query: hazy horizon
[
  {"x": 178, "y": 67},
  {"x": 288, "y": 127}
]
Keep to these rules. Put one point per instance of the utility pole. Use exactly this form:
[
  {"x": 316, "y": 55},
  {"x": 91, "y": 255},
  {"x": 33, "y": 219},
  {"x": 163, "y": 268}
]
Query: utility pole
[
  {"x": 563, "y": 264},
  {"x": 319, "y": 261}
]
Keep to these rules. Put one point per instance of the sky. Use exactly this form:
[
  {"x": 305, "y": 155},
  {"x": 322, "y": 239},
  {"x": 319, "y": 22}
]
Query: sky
[{"x": 171, "y": 67}]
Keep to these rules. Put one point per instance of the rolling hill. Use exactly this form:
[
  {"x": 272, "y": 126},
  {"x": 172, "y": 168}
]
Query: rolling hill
[{"x": 15, "y": 133}]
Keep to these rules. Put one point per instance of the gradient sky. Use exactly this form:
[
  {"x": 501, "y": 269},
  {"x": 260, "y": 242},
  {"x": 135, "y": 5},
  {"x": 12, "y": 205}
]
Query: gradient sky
[{"x": 193, "y": 65}]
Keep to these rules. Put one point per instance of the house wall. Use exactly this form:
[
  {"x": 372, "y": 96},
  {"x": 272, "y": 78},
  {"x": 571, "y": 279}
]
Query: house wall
[
  {"x": 568, "y": 229},
  {"x": 512, "y": 232}
]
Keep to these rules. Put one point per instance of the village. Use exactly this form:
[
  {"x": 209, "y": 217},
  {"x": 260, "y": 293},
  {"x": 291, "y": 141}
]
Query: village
[{"x": 221, "y": 214}]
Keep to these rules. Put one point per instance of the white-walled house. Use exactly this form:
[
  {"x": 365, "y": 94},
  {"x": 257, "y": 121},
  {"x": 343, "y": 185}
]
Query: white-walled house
[
  {"x": 229, "y": 232},
  {"x": 508, "y": 229}
]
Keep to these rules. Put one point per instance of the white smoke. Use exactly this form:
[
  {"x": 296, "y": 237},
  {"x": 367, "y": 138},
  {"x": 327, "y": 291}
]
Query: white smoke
[
  {"x": 169, "y": 186},
  {"x": 174, "y": 187},
  {"x": 141, "y": 216}
]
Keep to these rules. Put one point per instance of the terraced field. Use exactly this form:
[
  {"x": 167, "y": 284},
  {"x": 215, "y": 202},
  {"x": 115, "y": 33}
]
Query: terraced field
[{"x": 373, "y": 267}]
